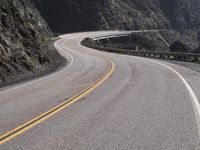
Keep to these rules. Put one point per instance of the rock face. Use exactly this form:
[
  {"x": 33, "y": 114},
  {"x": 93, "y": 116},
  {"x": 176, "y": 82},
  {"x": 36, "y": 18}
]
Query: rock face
[
  {"x": 82, "y": 15},
  {"x": 22, "y": 33}
]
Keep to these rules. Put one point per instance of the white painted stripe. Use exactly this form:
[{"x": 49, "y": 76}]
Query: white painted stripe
[
  {"x": 45, "y": 77},
  {"x": 193, "y": 97},
  {"x": 191, "y": 92}
]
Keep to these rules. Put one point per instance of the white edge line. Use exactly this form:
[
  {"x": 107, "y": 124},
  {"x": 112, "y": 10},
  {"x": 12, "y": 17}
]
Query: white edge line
[
  {"x": 45, "y": 77},
  {"x": 191, "y": 92},
  {"x": 193, "y": 97}
]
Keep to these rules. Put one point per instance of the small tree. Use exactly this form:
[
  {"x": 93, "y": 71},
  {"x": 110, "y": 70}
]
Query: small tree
[
  {"x": 179, "y": 47},
  {"x": 197, "y": 51}
]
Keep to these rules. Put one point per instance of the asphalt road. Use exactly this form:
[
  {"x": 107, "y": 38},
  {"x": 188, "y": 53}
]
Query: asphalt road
[{"x": 144, "y": 105}]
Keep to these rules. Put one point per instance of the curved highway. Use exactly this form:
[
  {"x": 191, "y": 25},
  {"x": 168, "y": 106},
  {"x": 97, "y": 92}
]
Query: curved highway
[{"x": 103, "y": 101}]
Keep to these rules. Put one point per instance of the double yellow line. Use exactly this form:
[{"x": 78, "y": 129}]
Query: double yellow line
[{"x": 19, "y": 130}]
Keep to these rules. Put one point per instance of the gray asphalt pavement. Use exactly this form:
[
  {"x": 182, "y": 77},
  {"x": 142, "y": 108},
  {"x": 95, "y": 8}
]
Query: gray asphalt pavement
[{"x": 142, "y": 106}]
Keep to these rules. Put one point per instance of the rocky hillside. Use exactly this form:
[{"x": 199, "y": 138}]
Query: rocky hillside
[
  {"x": 81, "y": 15},
  {"x": 22, "y": 34}
]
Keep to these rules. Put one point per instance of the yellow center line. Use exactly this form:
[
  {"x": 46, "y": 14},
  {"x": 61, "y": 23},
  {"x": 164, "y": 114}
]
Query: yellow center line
[{"x": 19, "y": 130}]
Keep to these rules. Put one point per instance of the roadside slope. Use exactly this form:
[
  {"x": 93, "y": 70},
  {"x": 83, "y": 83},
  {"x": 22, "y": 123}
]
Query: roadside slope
[{"x": 23, "y": 52}]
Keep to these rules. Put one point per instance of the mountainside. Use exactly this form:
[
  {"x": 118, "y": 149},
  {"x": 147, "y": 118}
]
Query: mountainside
[
  {"x": 22, "y": 34},
  {"x": 82, "y": 15}
]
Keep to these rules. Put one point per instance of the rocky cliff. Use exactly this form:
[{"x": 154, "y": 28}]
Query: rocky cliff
[
  {"x": 81, "y": 15},
  {"x": 22, "y": 37}
]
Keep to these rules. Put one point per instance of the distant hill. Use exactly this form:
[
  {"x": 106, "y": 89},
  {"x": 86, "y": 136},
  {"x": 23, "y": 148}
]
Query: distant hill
[{"x": 83, "y": 15}]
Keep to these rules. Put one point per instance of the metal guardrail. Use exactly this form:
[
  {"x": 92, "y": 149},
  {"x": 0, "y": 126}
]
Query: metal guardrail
[{"x": 188, "y": 57}]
